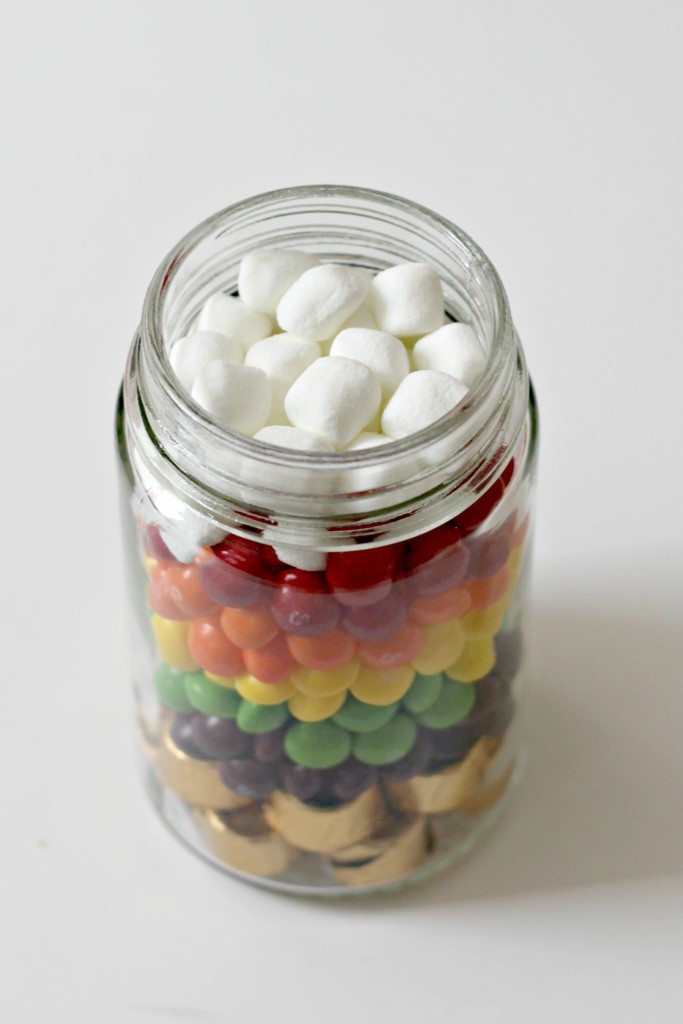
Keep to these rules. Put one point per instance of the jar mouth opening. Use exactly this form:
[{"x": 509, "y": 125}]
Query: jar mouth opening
[
  {"x": 233, "y": 479},
  {"x": 219, "y": 225}
]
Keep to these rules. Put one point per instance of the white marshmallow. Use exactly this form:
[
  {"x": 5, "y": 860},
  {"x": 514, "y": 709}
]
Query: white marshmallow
[
  {"x": 292, "y": 437},
  {"x": 235, "y": 396},
  {"x": 301, "y": 558},
  {"x": 453, "y": 349},
  {"x": 316, "y": 305},
  {"x": 334, "y": 398},
  {"x": 284, "y": 357},
  {"x": 228, "y": 315},
  {"x": 421, "y": 398},
  {"x": 191, "y": 354},
  {"x": 182, "y": 530},
  {"x": 363, "y": 317},
  {"x": 407, "y": 300},
  {"x": 366, "y": 439},
  {"x": 363, "y": 481},
  {"x": 284, "y": 477},
  {"x": 266, "y": 274},
  {"x": 382, "y": 353}
]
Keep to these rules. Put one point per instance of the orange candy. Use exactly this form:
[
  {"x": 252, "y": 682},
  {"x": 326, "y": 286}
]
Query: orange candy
[
  {"x": 211, "y": 648},
  {"x": 175, "y": 591},
  {"x": 271, "y": 663},
  {"x": 484, "y": 593},
  {"x": 159, "y": 599},
  {"x": 437, "y": 607},
  {"x": 252, "y": 627},
  {"x": 399, "y": 649},
  {"x": 332, "y": 650},
  {"x": 185, "y": 588}
]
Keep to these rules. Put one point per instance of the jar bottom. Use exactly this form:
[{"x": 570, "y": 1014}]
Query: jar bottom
[{"x": 425, "y": 844}]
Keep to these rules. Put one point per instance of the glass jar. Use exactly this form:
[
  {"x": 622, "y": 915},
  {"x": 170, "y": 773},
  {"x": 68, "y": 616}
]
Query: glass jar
[{"x": 326, "y": 647}]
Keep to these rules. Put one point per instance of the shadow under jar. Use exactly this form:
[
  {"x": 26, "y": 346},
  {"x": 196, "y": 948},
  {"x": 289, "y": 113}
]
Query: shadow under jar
[{"x": 353, "y": 727}]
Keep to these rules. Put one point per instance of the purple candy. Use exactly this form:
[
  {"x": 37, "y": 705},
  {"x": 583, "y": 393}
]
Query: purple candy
[
  {"x": 219, "y": 737},
  {"x": 302, "y": 783},
  {"x": 248, "y": 778},
  {"x": 509, "y": 651},
  {"x": 349, "y": 779},
  {"x": 452, "y": 744},
  {"x": 488, "y": 554},
  {"x": 377, "y": 621},
  {"x": 413, "y": 763},
  {"x": 269, "y": 746},
  {"x": 182, "y": 734}
]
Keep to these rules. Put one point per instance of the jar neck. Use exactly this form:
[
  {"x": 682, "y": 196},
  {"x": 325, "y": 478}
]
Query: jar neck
[{"x": 396, "y": 490}]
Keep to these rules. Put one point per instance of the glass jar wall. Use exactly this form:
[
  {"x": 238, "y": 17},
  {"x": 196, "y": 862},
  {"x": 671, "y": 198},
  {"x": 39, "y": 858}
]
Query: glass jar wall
[{"x": 326, "y": 648}]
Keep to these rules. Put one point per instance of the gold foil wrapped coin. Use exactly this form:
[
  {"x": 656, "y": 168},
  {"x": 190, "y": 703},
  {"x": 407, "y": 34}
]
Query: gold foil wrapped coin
[
  {"x": 243, "y": 841},
  {"x": 447, "y": 790},
  {"x": 487, "y": 796},
  {"x": 393, "y": 852},
  {"x": 194, "y": 781},
  {"x": 325, "y": 829}
]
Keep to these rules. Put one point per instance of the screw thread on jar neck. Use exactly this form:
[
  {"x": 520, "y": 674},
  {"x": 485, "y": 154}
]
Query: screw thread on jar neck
[{"x": 244, "y": 485}]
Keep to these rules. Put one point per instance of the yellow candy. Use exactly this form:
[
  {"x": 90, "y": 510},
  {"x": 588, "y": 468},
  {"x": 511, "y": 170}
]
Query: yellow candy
[
  {"x": 442, "y": 644},
  {"x": 479, "y": 625},
  {"x": 150, "y": 564},
  {"x": 325, "y": 683},
  {"x": 514, "y": 562},
  {"x": 476, "y": 661},
  {"x": 171, "y": 638},
  {"x": 381, "y": 686},
  {"x": 263, "y": 693},
  {"x": 227, "y": 681},
  {"x": 315, "y": 709}
]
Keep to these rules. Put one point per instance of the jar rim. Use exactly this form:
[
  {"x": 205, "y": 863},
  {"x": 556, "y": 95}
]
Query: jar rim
[
  {"x": 152, "y": 317},
  {"x": 165, "y": 410}
]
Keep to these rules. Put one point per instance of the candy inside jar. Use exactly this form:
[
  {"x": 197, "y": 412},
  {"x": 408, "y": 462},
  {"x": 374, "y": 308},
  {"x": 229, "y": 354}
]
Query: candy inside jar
[{"x": 328, "y": 542}]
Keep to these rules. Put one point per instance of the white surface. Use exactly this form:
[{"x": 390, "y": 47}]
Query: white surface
[{"x": 550, "y": 132}]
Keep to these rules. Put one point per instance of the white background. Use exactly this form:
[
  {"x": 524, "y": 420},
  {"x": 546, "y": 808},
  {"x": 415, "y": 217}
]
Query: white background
[{"x": 551, "y": 132}]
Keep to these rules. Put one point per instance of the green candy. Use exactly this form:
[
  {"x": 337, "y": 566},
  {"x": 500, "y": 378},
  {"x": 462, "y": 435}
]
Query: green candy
[
  {"x": 388, "y": 744},
  {"x": 359, "y": 717},
  {"x": 258, "y": 718},
  {"x": 423, "y": 692},
  {"x": 317, "y": 744},
  {"x": 210, "y": 698},
  {"x": 170, "y": 684},
  {"x": 452, "y": 705}
]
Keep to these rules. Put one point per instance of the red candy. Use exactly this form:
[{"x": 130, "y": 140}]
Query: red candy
[
  {"x": 232, "y": 574},
  {"x": 211, "y": 649},
  {"x": 363, "y": 576},
  {"x": 436, "y": 561},
  {"x": 508, "y": 473},
  {"x": 303, "y": 605},
  {"x": 378, "y": 621},
  {"x": 480, "y": 509},
  {"x": 154, "y": 544},
  {"x": 520, "y": 531},
  {"x": 488, "y": 554}
]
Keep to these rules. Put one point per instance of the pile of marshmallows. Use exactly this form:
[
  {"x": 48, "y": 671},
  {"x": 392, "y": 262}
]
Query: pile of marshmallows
[{"x": 324, "y": 357}]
